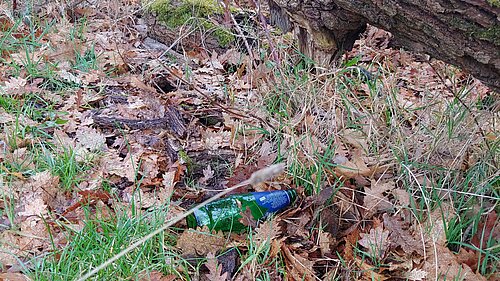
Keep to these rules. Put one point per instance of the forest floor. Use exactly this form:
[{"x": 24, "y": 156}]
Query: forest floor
[{"x": 106, "y": 134}]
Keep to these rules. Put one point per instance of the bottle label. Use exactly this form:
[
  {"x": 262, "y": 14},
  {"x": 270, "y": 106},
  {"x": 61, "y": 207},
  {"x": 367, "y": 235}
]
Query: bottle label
[{"x": 272, "y": 201}]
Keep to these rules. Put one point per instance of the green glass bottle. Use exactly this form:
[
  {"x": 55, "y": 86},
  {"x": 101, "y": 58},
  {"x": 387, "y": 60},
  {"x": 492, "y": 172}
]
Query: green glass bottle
[{"x": 224, "y": 214}]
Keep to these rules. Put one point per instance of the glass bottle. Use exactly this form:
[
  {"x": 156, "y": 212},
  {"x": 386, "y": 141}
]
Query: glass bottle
[{"x": 225, "y": 214}]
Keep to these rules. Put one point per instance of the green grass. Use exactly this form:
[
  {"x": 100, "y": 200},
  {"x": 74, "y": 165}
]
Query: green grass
[{"x": 101, "y": 238}]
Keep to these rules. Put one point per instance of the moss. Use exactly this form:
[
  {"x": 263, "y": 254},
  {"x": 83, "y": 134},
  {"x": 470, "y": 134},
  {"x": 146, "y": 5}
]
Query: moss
[
  {"x": 494, "y": 3},
  {"x": 491, "y": 34},
  {"x": 175, "y": 15},
  {"x": 187, "y": 160},
  {"x": 223, "y": 35}
]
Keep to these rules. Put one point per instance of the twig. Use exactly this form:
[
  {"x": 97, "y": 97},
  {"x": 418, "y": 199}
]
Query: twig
[
  {"x": 243, "y": 37},
  {"x": 266, "y": 32}
]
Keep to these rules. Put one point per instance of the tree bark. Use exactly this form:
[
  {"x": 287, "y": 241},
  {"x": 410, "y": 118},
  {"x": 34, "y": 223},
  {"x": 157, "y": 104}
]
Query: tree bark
[{"x": 464, "y": 33}]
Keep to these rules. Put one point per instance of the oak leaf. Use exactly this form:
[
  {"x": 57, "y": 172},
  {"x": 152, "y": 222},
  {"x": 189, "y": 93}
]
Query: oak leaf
[
  {"x": 448, "y": 267},
  {"x": 400, "y": 236},
  {"x": 298, "y": 267},
  {"x": 247, "y": 218},
  {"x": 215, "y": 269},
  {"x": 376, "y": 241},
  {"x": 267, "y": 231},
  {"x": 416, "y": 275},
  {"x": 352, "y": 168},
  {"x": 200, "y": 242},
  {"x": 375, "y": 200}
]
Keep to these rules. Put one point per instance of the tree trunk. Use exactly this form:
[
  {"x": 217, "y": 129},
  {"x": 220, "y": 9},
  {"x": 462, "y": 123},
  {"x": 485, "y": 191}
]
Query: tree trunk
[{"x": 464, "y": 33}]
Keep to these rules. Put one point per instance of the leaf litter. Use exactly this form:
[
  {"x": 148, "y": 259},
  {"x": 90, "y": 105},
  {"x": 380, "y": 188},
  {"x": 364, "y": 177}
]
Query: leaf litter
[{"x": 145, "y": 142}]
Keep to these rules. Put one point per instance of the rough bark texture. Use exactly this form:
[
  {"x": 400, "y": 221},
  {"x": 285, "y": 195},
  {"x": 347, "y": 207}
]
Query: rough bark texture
[{"x": 463, "y": 33}]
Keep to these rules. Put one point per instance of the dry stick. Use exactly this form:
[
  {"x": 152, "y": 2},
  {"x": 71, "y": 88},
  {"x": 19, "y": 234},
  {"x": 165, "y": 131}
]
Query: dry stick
[
  {"x": 243, "y": 37},
  {"x": 474, "y": 117},
  {"x": 263, "y": 23},
  {"x": 256, "y": 178}
]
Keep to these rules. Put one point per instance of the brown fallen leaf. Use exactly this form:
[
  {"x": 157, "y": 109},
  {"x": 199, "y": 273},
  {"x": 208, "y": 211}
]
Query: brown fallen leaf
[
  {"x": 267, "y": 231},
  {"x": 325, "y": 239},
  {"x": 445, "y": 263},
  {"x": 376, "y": 242},
  {"x": 247, "y": 218},
  {"x": 355, "y": 138},
  {"x": 489, "y": 228},
  {"x": 200, "y": 242},
  {"x": 13, "y": 276},
  {"x": 215, "y": 269},
  {"x": 468, "y": 257},
  {"x": 298, "y": 267},
  {"x": 351, "y": 239},
  {"x": 375, "y": 200},
  {"x": 352, "y": 168},
  {"x": 368, "y": 271},
  {"x": 157, "y": 276},
  {"x": 416, "y": 275},
  {"x": 400, "y": 236}
]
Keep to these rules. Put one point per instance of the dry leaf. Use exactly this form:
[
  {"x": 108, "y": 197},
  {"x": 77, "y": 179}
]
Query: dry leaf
[
  {"x": 112, "y": 164},
  {"x": 352, "y": 168},
  {"x": 402, "y": 196},
  {"x": 298, "y": 267},
  {"x": 232, "y": 57},
  {"x": 200, "y": 242},
  {"x": 400, "y": 236},
  {"x": 215, "y": 270},
  {"x": 169, "y": 179},
  {"x": 35, "y": 207},
  {"x": 90, "y": 138},
  {"x": 13, "y": 276},
  {"x": 157, "y": 276},
  {"x": 13, "y": 86},
  {"x": 448, "y": 267},
  {"x": 208, "y": 173},
  {"x": 267, "y": 156},
  {"x": 468, "y": 257},
  {"x": 68, "y": 76},
  {"x": 436, "y": 223},
  {"x": 276, "y": 247},
  {"x": 375, "y": 200},
  {"x": 416, "y": 275},
  {"x": 216, "y": 140},
  {"x": 355, "y": 138},
  {"x": 267, "y": 231},
  {"x": 368, "y": 272},
  {"x": 324, "y": 240},
  {"x": 376, "y": 241},
  {"x": 297, "y": 227},
  {"x": 489, "y": 228},
  {"x": 247, "y": 218}
]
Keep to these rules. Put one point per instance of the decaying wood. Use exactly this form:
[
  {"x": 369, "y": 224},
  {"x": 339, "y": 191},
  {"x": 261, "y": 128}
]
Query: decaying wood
[
  {"x": 172, "y": 121},
  {"x": 463, "y": 33}
]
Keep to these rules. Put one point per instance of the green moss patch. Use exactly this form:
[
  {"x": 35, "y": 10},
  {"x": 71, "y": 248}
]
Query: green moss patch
[
  {"x": 175, "y": 14},
  {"x": 494, "y": 3},
  {"x": 491, "y": 34}
]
